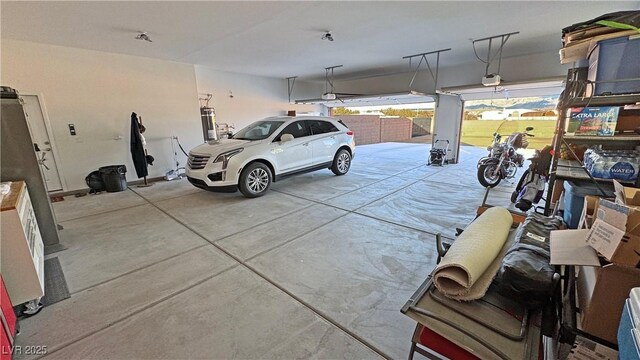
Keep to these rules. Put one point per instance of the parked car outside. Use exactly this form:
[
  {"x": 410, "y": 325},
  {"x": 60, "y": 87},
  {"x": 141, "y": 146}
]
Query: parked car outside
[{"x": 270, "y": 150}]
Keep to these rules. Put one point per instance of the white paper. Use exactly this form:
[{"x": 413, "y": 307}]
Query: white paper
[
  {"x": 604, "y": 238},
  {"x": 619, "y": 192},
  {"x": 569, "y": 247}
]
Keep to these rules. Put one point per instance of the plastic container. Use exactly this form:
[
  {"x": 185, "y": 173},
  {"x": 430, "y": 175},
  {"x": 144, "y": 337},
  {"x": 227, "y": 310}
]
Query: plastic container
[
  {"x": 628, "y": 349},
  {"x": 114, "y": 177},
  {"x": 615, "y": 59},
  {"x": 574, "y": 193}
]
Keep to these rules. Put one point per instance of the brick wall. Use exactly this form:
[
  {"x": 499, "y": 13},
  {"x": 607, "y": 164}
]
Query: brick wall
[
  {"x": 371, "y": 129},
  {"x": 396, "y": 129},
  {"x": 366, "y": 128},
  {"x": 421, "y": 126}
]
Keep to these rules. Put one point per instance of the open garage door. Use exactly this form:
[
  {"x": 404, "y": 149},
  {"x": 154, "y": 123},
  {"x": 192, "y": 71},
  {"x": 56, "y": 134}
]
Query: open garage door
[
  {"x": 446, "y": 127},
  {"x": 508, "y": 108}
]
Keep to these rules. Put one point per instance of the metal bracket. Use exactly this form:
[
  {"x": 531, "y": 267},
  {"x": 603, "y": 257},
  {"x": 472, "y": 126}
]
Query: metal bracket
[
  {"x": 423, "y": 57},
  {"x": 328, "y": 77},
  {"x": 503, "y": 40},
  {"x": 290, "y": 83}
]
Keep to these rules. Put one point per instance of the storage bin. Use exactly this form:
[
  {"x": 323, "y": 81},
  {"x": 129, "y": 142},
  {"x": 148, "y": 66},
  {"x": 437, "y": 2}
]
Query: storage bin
[
  {"x": 574, "y": 193},
  {"x": 616, "y": 59},
  {"x": 114, "y": 177},
  {"x": 627, "y": 347}
]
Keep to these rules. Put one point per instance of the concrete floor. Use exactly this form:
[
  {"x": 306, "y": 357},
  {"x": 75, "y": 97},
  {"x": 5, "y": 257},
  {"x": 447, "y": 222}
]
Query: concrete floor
[{"x": 317, "y": 268}]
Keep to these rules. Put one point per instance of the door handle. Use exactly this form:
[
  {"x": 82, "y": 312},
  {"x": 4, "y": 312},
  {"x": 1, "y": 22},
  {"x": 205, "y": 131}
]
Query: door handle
[{"x": 305, "y": 144}]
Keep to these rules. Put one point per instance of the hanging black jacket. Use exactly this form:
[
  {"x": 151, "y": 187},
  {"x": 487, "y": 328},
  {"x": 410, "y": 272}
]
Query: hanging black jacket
[{"x": 137, "y": 150}]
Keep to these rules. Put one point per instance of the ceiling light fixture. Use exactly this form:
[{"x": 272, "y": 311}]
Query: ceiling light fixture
[
  {"x": 143, "y": 36},
  {"x": 327, "y": 36}
]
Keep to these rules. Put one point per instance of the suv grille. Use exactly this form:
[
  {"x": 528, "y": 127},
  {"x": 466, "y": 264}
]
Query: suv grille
[{"x": 198, "y": 161}]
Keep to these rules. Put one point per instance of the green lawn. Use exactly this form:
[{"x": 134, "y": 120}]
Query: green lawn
[{"x": 480, "y": 132}]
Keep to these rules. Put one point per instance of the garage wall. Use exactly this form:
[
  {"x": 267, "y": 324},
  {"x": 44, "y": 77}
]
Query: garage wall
[
  {"x": 97, "y": 92},
  {"x": 254, "y": 97}
]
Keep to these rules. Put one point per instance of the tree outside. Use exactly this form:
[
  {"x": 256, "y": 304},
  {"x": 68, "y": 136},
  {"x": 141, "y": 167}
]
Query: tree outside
[{"x": 344, "y": 111}]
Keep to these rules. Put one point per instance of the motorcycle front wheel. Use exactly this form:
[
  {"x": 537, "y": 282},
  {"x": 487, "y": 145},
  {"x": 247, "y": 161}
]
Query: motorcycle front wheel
[{"x": 489, "y": 175}]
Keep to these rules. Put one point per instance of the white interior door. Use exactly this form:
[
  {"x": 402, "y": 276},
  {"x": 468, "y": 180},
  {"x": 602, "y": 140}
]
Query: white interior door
[
  {"x": 42, "y": 142},
  {"x": 447, "y": 123}
]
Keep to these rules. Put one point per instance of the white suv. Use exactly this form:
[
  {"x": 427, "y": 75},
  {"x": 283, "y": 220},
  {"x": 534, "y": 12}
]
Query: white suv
[{"x": 269, "y": 150}]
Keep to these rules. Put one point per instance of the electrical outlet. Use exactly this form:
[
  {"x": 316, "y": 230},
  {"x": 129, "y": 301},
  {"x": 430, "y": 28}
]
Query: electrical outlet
[{"x": 72, "y": 130}]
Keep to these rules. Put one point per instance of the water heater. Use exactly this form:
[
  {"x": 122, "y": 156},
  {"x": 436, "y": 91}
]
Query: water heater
[{"x": 208, "y": 118}]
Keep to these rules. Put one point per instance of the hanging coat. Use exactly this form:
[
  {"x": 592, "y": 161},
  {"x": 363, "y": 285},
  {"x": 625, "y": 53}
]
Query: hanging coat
[{"x": 137, "y": 150}]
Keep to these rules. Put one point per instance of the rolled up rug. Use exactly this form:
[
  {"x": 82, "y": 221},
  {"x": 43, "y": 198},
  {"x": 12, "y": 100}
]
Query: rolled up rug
[{"x": 467, "y": 269}]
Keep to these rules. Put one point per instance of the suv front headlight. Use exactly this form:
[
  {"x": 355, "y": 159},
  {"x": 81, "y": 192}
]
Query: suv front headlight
[{"x": 225, "y": 156}]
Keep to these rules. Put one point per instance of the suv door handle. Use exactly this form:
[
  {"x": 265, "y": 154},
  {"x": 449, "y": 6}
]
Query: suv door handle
[{"x": 305, "y": 144}]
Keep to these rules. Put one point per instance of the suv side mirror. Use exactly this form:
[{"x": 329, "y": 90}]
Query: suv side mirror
[
  {"x": 286, "y": 137},
  {"x": 229, "y": 135}
]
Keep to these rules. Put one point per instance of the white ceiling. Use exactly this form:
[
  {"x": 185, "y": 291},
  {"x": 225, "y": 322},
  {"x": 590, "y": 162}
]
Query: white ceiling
[{"x": 282, "y": 38}]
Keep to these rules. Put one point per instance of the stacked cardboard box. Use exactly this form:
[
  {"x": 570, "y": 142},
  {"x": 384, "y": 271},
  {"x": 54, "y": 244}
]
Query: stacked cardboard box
[
  {"x": 579, "y": 44},
  {"x": 612, "y": 229}
]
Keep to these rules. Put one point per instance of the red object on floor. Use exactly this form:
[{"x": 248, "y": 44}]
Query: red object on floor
[
  {"x": 436, "y": 342},
  {"x": 7, "y": 323}
]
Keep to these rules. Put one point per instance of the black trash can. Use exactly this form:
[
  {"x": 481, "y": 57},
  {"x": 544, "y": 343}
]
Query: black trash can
[{"x": 114, "y": 177}]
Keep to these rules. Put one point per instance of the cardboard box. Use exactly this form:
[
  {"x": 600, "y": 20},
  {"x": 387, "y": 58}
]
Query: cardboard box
[
  {"x": 588, "y": 212},
  {"x": 593, "y": 121},
  {"x": 587, "y": 33},
  {"x": 585, "y": 349},
  {"x": 580, "y": 49},
  {"x": 601, "y": 291},
  {"x": 615, "y": 232},
  {"x": 601, "y": 296},
  {"x": 628, "y": 120}
]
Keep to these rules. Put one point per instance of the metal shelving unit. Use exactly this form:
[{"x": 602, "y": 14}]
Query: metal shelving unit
[
  {"x": 603, "y": 139},
  {"x": 574, "y": 170}
]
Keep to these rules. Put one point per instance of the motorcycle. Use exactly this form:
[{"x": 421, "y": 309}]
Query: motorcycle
[{"x": 503, "y": 160}]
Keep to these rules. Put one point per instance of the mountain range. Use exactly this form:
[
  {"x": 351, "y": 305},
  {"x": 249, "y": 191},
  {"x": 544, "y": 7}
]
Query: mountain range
[{"x": 532, "y": 103}]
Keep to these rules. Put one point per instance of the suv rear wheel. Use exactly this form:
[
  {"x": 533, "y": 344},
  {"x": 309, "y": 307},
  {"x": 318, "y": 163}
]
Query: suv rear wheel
[
  {"x": 255, "y": 180},
  {"x": 341, "y": 162}
]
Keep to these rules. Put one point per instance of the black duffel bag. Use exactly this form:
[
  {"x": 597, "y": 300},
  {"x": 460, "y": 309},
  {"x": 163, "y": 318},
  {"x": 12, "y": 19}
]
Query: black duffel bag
[
  {"x": 94, "y": 182},
  {"x": 525, "y": 274}
]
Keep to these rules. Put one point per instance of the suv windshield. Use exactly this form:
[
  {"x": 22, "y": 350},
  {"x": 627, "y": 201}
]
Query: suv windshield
[{"x": 259, "y": 130}]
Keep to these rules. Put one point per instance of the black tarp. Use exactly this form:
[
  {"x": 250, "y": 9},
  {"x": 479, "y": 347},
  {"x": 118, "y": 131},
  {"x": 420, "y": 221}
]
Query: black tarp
[
  {"x": 631, "y": 18},
  {"x": 137, "y": 149}
]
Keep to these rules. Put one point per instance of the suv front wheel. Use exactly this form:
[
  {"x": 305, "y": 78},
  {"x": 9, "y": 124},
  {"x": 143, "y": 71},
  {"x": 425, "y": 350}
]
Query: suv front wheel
[
  {"x": 255, "y": 180},
  {"x": 341, "y": 162}
]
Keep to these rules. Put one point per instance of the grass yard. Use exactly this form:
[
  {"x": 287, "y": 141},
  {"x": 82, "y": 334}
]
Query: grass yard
[{"x": 480, "y": 132}]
